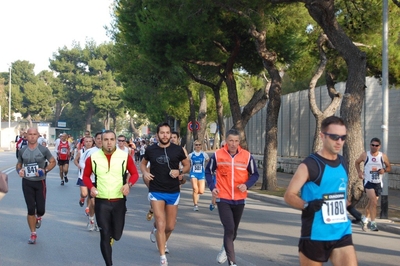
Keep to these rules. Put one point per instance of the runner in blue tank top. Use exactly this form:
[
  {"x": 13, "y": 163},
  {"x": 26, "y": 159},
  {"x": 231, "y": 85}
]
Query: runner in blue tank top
[
  {"x": 198, "y": 160},
  {"x": 322, "y": 179}
]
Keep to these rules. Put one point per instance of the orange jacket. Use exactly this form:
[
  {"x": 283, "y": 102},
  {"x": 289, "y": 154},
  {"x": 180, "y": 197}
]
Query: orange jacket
[{"x": 231, "y": 172}]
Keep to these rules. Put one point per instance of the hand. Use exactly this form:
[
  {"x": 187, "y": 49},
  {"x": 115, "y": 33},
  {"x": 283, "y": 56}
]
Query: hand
[
  {"x": 148, "y": 176},
  {"x": 215, "y": 192},
  {"x": 242, "y": 187},
  {"x": 93, "y": 192},
  {"x": 315, "y": 205},
  {"x": 361, "y": 175},
  {"x": 125, "y": 189}
]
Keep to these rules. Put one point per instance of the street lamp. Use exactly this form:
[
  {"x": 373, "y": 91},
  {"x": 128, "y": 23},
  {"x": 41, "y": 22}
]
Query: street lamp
[{"x": 9, "y": 104}]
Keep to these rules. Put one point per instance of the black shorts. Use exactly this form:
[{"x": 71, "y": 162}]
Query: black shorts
[
  {"x": 63, "y": 162},
  {"x": 375, "y": 186},
  {"x": 321, "y": 250}
]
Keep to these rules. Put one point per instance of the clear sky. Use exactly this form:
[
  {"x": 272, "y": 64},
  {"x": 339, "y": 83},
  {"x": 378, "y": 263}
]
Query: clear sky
[{"x": 33, "y": 30}]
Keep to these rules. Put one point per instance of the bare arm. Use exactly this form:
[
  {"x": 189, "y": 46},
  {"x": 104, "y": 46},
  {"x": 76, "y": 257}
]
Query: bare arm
[
  {"x": 360, "y": 159},
  {"x": 299, "y": 178},
  {"x": 387, "y": 163},
  {"x": 76, "y": 160}
]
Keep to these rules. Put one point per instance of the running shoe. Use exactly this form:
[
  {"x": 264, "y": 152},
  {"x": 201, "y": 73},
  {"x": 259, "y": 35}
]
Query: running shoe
[
  {"x": 91, "y": 225},
  {"x": 153, "y": 235},
  {"x": 196, "y": 208},
  {"x": 163, "y": 262},
  {"x": 166, "y": 248},
  {"x": 212, "y": 207},
  {"x": 149, "y": 215},
  {"x": 364, "y": 224},
  {"x": 32, "y": 239},
  {"x": 81, "y": 202},
  {"x": 374, "y": 226},
  {"x": 38, "y": 222},
  {"x": 66, "y": 179},
  {"x": 232, "y": 264},
  {"x": 62, "y": 182},
  {"x": 87, "y": 211},
  {"x": 221, "y": 257}
]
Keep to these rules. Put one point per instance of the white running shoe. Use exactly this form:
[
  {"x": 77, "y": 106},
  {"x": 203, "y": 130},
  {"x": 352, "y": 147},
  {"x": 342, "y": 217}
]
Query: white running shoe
[
  {"x": 163, "y": 262},
  {"x": 91, "y": 226},
  {"x": 221, "y": 257},
  {"x": 166, "y": 248},
  {"x": 153, "y": 235},
  {"x": 196, "y": 208}
]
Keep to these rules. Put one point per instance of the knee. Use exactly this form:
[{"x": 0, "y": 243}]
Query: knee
[
  {"x": 169, "y": 229},
  {"x": 40, "y": 212},
  {"x": 195, "y": 190}
]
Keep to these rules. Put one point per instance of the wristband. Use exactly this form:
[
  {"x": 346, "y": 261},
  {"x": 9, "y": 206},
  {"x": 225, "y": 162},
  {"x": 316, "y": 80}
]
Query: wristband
[{"x": 18, "y": 170}]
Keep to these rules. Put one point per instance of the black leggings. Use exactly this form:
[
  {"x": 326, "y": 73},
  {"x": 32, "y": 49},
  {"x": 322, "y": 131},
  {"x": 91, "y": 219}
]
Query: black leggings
[
  {"x": 110, "y": 216},
  {"x": 230, "y": 216},
  {"x": 35, "y": 196}
]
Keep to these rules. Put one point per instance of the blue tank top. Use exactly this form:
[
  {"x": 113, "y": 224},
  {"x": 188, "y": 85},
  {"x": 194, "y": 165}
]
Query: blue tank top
[
  {"x": 197, "y": 165},
  {"x": 330, "y": 184}
]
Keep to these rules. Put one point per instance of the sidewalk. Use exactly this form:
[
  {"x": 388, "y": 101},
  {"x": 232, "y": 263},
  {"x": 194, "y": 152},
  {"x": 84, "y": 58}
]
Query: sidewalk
[{"x": 391, "y": 225}]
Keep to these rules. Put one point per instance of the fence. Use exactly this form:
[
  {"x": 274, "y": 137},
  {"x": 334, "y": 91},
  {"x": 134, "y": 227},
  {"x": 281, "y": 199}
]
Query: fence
[{"x": 296, "y": 124}]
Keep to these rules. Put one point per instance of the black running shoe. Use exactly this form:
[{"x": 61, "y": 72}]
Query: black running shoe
[
  {"x": 66, "y": 179},
  {"x": 62, "y": 183}
]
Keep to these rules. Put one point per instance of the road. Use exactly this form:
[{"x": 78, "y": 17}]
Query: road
[{"x": 268, "y": 233}]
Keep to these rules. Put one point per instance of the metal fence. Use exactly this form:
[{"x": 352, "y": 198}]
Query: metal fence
[{"x": 296, "y": 124}]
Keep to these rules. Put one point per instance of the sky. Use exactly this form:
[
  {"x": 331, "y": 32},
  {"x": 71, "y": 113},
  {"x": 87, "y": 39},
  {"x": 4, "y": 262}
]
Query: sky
[{"x": 33, "y": 30}]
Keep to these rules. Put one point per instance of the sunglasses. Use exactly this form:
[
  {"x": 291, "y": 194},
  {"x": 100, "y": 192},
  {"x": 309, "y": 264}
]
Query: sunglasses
[
  {"x": 335, "y": 137},
  {"x": 121, "y": 140},
  {"x": 375, "y": 145}
]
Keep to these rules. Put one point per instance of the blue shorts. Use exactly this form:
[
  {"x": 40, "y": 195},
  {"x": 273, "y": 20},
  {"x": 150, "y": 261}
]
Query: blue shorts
[
  {"x": 198, "y": 177},
  {"x": 169, "y": 198}
]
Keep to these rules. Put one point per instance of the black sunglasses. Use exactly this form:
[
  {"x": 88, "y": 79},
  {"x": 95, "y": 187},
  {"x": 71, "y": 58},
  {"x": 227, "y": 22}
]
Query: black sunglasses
[
  {"x": 377, "y": 145},
  {"x": 121, "y": 140},
  {"x": 335, "y": 137}
]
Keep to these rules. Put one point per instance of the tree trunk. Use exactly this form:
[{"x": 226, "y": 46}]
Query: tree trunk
[
  {"x": 192, "y": 118},
  {"x": 202, "y": 117},
  {"x": 335, "y": 97},
  {"x": 89, "y": 117},
  {"x": 323, "y": 12}
]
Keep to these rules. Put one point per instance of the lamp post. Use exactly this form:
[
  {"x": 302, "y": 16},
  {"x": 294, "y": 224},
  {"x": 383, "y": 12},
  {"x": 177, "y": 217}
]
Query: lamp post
[
  {"x": 385, "y": 103},
  {"x": 9, "y": 105}
]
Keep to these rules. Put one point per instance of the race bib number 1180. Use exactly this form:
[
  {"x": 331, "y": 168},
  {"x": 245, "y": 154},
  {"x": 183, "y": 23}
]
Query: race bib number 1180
[{"x": 334, "y": 209}]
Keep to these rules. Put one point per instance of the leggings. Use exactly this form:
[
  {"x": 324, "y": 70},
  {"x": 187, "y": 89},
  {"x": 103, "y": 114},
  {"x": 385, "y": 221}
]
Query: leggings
[
  {"x": 230, "y": 216},
  {"x": 110, "y": 216},
  {"x": 35, "y": 196}
]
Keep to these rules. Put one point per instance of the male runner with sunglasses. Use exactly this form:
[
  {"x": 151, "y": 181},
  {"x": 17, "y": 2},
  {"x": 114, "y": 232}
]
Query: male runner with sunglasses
[
  {"x": 322, "y": 179},
  {"x": 376, "y": 163}
]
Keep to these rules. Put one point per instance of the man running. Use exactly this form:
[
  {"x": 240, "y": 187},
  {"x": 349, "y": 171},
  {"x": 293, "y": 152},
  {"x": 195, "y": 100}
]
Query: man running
[
  {"x": 110, "y": 190},
  {"x": 235, "y": 171},
  {"x": 164, "y": 184},
  {"x": 322, "y": 179},
  {"x": 32, "y": 168},
  {"x": 63, "y": 151},
  {"x": 376, "y": 163}
]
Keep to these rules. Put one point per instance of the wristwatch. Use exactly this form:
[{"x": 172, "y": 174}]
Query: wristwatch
[
  {"x": 305, "y": 205},
  {"x": 180, "y": 171}
]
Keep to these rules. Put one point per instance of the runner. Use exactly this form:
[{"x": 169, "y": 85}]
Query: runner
[
  {"x": 32, "y": 168},
  {"x": 63, "y": 155},
  {"x": 164, "y": 184}
]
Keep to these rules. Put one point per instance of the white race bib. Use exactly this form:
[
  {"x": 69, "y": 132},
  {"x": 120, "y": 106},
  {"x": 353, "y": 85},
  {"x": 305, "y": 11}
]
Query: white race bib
[
  {"x": 197, "y": 168},
  {"x": 31, "y": 169},
  {"x": 334, "y": 209}
]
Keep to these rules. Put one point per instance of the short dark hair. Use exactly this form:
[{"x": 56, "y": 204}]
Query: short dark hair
[
  {"x": 121, "y": 136},
  {"x": 376, "y": 140},
  {"x": 108, "y": 131},
  {"x": 164, "y": 124},
  {"x": 233, "y": 132},
  {"x": 175, "y": 133},
  {"x": 331, "y": 120},
  {"x": 98, "y": 133}
]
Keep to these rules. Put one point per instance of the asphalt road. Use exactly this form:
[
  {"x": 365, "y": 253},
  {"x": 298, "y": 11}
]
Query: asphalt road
[{"x": 268, "y": 233}]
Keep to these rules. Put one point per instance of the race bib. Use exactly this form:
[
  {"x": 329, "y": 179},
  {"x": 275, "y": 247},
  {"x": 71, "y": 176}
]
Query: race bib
[
  {"x": 197, "y": 168},
  {"x": 334, "y": 208},
  {"x": 31, "y": 169},
  {"x": 64, "y": 151},
  {"x": 375, "y": 178}
]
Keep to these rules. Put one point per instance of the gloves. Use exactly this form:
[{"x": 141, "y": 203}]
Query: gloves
[{"x": 315, "y": 205}]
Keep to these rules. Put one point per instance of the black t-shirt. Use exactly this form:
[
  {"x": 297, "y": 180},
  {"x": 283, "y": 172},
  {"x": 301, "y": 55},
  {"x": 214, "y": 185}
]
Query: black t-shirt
[{"x": 162, "y": 160}]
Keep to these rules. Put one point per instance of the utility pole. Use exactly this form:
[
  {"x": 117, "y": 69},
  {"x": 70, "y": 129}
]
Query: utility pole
[{"x": 385, "y": 104}]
